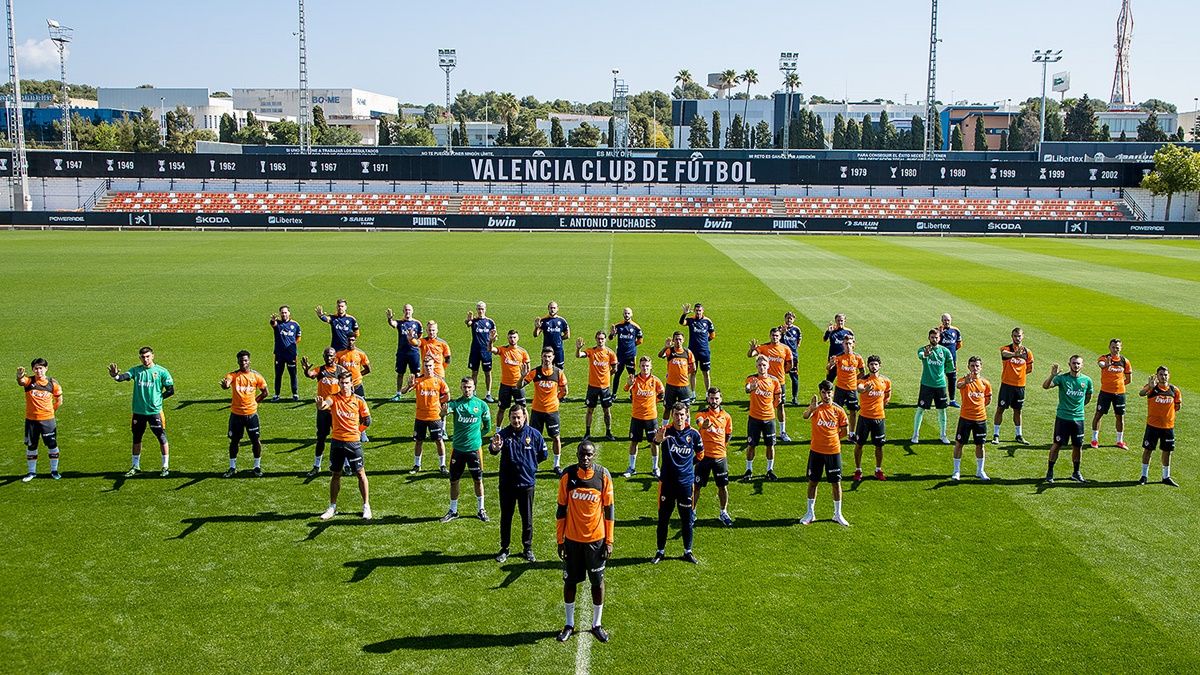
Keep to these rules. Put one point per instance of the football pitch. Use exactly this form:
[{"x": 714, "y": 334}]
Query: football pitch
[{"x": 195, "y": 573}]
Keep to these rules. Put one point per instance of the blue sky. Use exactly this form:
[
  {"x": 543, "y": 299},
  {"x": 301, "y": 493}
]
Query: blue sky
[{"x": 566, "y": 50}]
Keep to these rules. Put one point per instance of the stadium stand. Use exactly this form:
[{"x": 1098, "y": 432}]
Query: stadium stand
[{"x": 1017, "y": 209}]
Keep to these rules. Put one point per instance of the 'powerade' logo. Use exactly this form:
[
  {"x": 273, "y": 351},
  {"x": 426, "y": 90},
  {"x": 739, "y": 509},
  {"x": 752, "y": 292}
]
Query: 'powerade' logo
[
  {"x": 66, "y": 219},
  {"x": 1004, "y": 226}
]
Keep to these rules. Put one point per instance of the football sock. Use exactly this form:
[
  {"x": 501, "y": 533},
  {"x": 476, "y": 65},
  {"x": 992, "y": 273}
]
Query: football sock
[
  {"x": 783, "y": 427},
  {"x": 957, "y": 465},
  {"x": 258, "y": 462},
  {"x": 942, "y": 420},
  {"x": 597, "y": 611},
  {"x": 1095, "y": 435},
  {"x": 654, "y": 463},
  {"x": 442, "y": 461},
  {"x": 996, "y": 431},
  {"x": 454, "y": 505},
  {"x": 1017, "y": 429},
  {"x": 1146, "y": 470},
  {"x": 480, "y": 500},
  {"x": 557, "y": 459},
  {"x": 979, "y": 465},
  {"x": 878, "y": 469},
  {"x": 587, "y": 431},
  {"x": 812, "y": 504},
  {"x": 750, "y": 465},
  {"x": 632, "y": 461},
  {"x": 1166, "y": 472},
  {"x": 417, "y": 461},
  {"x": 917, "y": 417},
  {"x": 317, "y": 462},
  {"x": 770, "y": 465},
  {"x": 1076, "y": 465},
  {"x": 53, "y": 464},
  {"x": 166, "y": 461},
  {"x": 233, "y": 463},
  {"x": 570, "y": 608},
  {"x": 32, "y": 466},
  {"x": 1120, "y": 436},
  {"x": 837, "y": 508},
  {"x": 137, "y": 461}
]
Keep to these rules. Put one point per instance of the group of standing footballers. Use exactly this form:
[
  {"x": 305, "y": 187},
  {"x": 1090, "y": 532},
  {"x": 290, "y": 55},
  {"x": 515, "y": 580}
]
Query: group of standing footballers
[{"x": 850, "y": 404}]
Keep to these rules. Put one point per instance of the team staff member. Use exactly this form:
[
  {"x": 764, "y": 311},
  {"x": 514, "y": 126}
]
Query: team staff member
[
  {"x": 700, "y": 333},
  {"x": 950, "y": 337},
  {"x": 327, "y": 375},
  {"x": 681, "y": 370},
  {"x": 43, "y": 396},
  {"x": 549, "y": 387},
  {"x": 152, "y": 384},
  {"x": 341, "y": 325},
  {"x": 680, "y": 444},
  {"x": 1163, "y": 400},
  {"x": 514, "y": 366},
  {"x": 287, "y": 335},
  {"x": 249, "y": 389},
  {"x": 432, "y": 396},
  {"x": 628, "y": 336},
  {"x": 972, "y": 418},
  {"x": 584, "y": 530},
  {"x": 779, "y": 362},
  {"x": 1115, "y": 373},
  {"x": 350, "y": 413},
  {"x": 835, "y": 335},
  {"x": 482, "y": 329},
  {"x": 936, "y": 361},
  {"x": 716, "y": 428},
  {"x": 875, "y": 391},
  {"x": 850, "y": 368},
  {"x": 645, "y": 391},
  {"x": 792, "y": 337},
  {"x": 408, "y": 355},
  {"x": 521, "y": 449},
  {"x": 472, "y": 420},
  {"x": 553, "y": 329},
  {"x": 829, "y": 426},
  {"x": 433, "y": 346},
  {"x": 1074, "y": 392},
  {"x": 602, "y": 361},
  {"x": 766, "y": 393},
  {"x": 1018, "y": 362}
]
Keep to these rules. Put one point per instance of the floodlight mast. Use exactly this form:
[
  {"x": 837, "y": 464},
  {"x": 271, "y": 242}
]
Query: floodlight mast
[
  {"x": 16, "y": 125},
  {"x": 447, "y": 61},
  {"x": 931, "y": 85},
  {"x": 305, "y": 101},
  {"x": 61, "y": 36},
  {"x": 620, "y": 105},
  {"x": 788, "y": 62},
  {"x": 1044, "y": 57}
]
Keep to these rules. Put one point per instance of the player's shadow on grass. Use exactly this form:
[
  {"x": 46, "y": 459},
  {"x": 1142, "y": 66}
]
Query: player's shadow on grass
[
  {"x": 457, "y": 641},
  {"x": 364, "y": 568},
  {"x": 194, "y": 477},
  {"x": 645, "y": 481},
  {"x": 300, "y": 443},
  {"x": 320, "y": 526},
  {"x": 194, "y": 524},
  {"x": 1064, "y": 484},
  {"x": 202, "y": 401}
]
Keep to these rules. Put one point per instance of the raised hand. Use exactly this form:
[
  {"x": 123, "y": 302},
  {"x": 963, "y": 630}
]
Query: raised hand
[
  {"x": 320, "y": 311},
  {"x": 304, "y": 362},
  {"x": 687, "y": 307},
  {"x": 492, "y": 335},
  {"x": 390, "y": 314},
  {"x": 496, "y": 445},
  {"x": 274, "y": 317},
  {"x": 20, "y": 372},
  {"x": 578, "y": 343},
  {"x": 1054, "y": 369},
  {"x": 753, "y": 344},
  {"x": 113, "y": 370},
  {"x": 813, "y": 402}
]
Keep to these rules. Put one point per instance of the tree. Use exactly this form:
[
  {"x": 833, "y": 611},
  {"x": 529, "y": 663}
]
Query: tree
[
  {"x": 228, "y": 127},
  {"x": 938, "y": 138},
  {"x": 916, "y": 139},
  {"x": 1157, "y": 106},
  {"x": 980, "y": 144},
  {"x": 1080, "y": 123},
  {"x": 252, "y": 133},
  {"x": 682, "y": 79},
  {"x": 584, "y": 136},
  {"x": 853, "y": 135},
  {"x": 287, "y": 132},
  {"x": 557, "y": 138},
  {"x": 1014, "y": 133},
  {"x": 383, "y": 133},
  {"x": 868, "y": 134},
  {"x": 1178, "y": 137},
  {"x": 956, "y": 138},
  {"x": 1149, "y": 132},
  {"x": 319, "y": 126},
  {"x": 182, "y": 133},
  {"x": 1004, "y": 141},
  {"x": 341, "y": 136},
  {"x": 729, "y": 80},
  {"x": 1028, "y": 135},
  {"x": 762, "y": 135},
  {"x": 716, "y": 129},
  {"x": 1054, "y": 121},
  {"x": 1105, "y": 135},
  {"x": 839, "y": 132},
  {"x": 698, "y": 138},
  {"x": 413, "y": 134},
  {"x": 612, "y": 131},
  {"x": 1123, "y": 137},
  {"x": 749, "y": 77},
  {"x": 737, "y": 133},
  {"x": 463, "y": 138},
  {"x": 1176, "y": 169}
]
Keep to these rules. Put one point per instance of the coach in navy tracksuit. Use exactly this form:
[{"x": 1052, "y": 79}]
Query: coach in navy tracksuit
[
  {"x": 521, "y": 449},
  {"x": 678, "y": 445}
]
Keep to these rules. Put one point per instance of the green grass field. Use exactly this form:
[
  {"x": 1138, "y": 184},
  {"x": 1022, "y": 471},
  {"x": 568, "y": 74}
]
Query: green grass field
[{"x": 193, "y": 573}]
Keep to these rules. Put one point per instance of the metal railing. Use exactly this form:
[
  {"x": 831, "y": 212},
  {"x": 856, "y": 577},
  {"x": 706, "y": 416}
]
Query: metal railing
[
  {"x": 101, "y": 190},
  {"x": 1131, "y": 203}
]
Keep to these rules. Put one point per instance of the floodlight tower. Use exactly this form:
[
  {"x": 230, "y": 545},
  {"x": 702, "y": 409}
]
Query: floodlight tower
[
  {"x": 620, "y": 105},
  {"x": 447, "y": 60},
  {"x": 1044, "y": 57},
  {"x": 16, "y": 125},
  {"x": 1122, "y": 98},
  {"x": 305, "y": 102},
  {"x": 788, "y": 62},
  {"x": 61, "y": 36},
  {"x": 931, "y": 85}
]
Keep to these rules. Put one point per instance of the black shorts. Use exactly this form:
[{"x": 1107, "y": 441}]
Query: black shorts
[
  {"x": 764, "y": 429},
  {"x": 477, "y": 361},
  {"x": 560, "y": 358},
  {"x": 673, "y": 395},
  {"x": 546, "y": 423},
  {"x": 930, "y": 396},
  {"x": 348, "y": 453},
  {"x": 675, "y": 493},
  {"x": 718, "y": 467},
  {"x": 829, "y": 465},
  {"x": 971, "y": 431},
  {"x": 629, "y": 366},
  {"x": 44, "y": 430},
  {"x": 465, "y": 460},
  {"x": 1010, "y": 397},
  {"x": 1068, "y": 432},
  {"x": 324, "y": 423},
  {"x": 359, "y": 391},
  {"x": 847, "y": 398},
  {"x": 601, "y": 395},
  {"x": 1117, "y": 401},
  {"x": 638, "y": 428},
  {"x": 286, "y": 360},
  {"x": 155, "y": 422},
  {"x": 434, "y": 430},
  {"x": 703, "y": 360},
  {"x": 584, "y": 561},
  {"x": 410, "y": 362},
  {"x": 1163, "y": 438},
  {"x": 869, "y": 429},
  {"x": 243, "y": 423},
  {"x": 510, "y": 395}
]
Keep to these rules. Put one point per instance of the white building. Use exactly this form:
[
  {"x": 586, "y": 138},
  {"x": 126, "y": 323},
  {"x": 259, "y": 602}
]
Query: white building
[
  {"x": 476, "y": 131},
  {"x": 203, "y": 106},
  {"x": 354, "y": 108},
  {"x": 1127, "y": 121}
]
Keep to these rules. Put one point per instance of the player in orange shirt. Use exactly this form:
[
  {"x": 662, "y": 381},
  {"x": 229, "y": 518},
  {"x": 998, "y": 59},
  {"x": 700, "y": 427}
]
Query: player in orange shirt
[
  {"x": 1018, "y": 362},
  {"x": 433, "y": 395},
  {"x": 1163, "y": 400},
  {"x": 432, "y": 345},
  {"x": 975, "y": 393},
  {"x": 249, "y": 388},
  {"x": 681, "y": 365},
  {"x": 549, "y": 387},
  {"x": 1115, "y": 373},
  {"x": 514, "y": 366},
  {"x": 327, "y": 376},
  {"x": 646, "y": 391},
  {"x": 766, "y": 394},
  {"x": 584, "y": 534},
  {"x": 602, "y": 363},
  {"x": 829, "y": 426},
  {"x": 43, "y": 396},
  {"x": 779, "y": 362},
  {"x": 350, "y": 413},
  {"x": 849, "y": 368},
  {"x": 354, "y": 360},
  {"x": 876, "y": 392},
  {"x": 716, "y": 428}
]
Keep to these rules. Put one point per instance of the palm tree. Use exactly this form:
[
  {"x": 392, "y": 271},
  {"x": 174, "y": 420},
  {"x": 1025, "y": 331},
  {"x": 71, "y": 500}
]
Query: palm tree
[
  {"x": 749, "y": 77},
  {"x": 729, "y": 79},
  {"x": 683, "y": 79},
  {"x": 506, "y": 106},
  {"x": 791, "y": 81}
]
